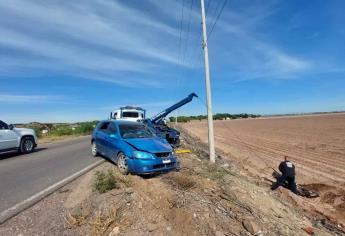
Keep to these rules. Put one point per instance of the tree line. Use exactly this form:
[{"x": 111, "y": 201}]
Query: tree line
[{"x": 218, "y": 116}]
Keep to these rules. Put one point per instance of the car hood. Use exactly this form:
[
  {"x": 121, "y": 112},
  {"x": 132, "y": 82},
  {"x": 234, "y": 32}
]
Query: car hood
[
  {"x": 152, "y": 145},
  {"x": 24, "y": 131}
]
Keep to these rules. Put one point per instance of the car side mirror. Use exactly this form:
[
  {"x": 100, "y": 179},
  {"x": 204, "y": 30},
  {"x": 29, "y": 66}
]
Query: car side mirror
[
  {"x": 114, "y": 136},
  {"x": 11, "y": 127}
]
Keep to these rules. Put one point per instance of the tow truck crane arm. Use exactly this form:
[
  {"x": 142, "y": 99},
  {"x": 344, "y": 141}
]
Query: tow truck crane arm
[
  {"x": 158, "y": 118},
  {"x": 164, "y": 131}
]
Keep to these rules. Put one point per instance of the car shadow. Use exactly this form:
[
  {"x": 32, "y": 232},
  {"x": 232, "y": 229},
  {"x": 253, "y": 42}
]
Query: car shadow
[{"x": 14, "y": 154}]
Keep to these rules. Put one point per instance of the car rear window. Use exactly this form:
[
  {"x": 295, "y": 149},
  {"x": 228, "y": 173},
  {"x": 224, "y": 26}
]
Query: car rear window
[
  {"x": 130, "y": 114},
  {"x": 135, "y": 131}
]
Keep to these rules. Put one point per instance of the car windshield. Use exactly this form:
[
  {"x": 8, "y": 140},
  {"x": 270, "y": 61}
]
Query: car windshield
[
  {"x": 131, "y": 114},
  {"x": 135, "y": 131}
]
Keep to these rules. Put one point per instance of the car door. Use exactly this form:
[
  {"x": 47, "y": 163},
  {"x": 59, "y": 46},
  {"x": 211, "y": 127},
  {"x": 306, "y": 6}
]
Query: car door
[
  {"x": 8, "y": 138},
  {"x": 111, "y": 141},
  {"x": 101, "y": 135}
]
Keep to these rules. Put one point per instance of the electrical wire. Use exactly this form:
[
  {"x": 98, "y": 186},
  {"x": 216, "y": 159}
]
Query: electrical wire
[
  {"x": 188, "y": 30},
  {"x": 217, "y": 18},
  {"x": 181, "y": 29},
  {"x": 180, "y": 46}
]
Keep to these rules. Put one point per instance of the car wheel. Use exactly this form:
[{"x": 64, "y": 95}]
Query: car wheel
[
  {"x": 94, "y": 149},
  {"x": 122, "y": 164},
  {"x": 27, "y": 145}
]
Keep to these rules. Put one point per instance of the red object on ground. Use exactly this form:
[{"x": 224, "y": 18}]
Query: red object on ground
[{"x": 309, "y": 230}]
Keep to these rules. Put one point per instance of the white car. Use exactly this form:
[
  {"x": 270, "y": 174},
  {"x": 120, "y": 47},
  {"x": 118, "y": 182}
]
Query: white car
[{"x": 19, "y": 139}]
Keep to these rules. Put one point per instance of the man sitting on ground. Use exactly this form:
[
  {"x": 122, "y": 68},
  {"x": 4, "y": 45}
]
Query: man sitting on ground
[{"x": 288, "y": 176}]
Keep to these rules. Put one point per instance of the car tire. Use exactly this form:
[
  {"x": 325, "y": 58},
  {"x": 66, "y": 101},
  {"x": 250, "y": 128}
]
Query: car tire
[
  {"x": 94, "y": 150},
  {"x": 27, "y": 145},
  {"x": 122, "y": 163}
]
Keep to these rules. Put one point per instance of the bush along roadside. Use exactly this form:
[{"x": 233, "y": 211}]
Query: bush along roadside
[
  {"x": 57, "y": 130},
  {"x": 105, "y": 182}
]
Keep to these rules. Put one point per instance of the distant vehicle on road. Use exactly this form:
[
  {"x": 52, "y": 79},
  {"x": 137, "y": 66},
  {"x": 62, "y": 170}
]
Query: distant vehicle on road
[
  {"x": 133, "y": 147},
  {"x": 17, "y": 139},
  {"x": 129, "y": 113}
]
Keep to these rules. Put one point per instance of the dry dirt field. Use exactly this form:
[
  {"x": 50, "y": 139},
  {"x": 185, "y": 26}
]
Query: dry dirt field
[{"x": 316, "y": 144}]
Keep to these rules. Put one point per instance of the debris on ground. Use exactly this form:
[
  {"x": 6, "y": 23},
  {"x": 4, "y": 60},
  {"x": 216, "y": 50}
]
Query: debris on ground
[{"x": 181, "y": 151}]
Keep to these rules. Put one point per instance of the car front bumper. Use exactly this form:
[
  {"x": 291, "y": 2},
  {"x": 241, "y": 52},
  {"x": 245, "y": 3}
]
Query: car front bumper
[{"x": 150, "y": 166}]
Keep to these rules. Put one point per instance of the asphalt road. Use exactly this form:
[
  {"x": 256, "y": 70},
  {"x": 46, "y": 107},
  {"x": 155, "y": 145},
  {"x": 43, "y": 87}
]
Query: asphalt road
[{"x": 22, "y": 176}]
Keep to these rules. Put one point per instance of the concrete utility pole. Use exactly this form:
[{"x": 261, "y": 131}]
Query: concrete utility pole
[{"x": 208, "y": 86}]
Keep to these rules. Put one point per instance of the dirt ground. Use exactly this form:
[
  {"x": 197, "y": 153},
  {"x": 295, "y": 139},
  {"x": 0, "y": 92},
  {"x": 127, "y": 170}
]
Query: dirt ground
[
  {"x": 200, "y": 199},
  {"x": 316, "y": 144}
]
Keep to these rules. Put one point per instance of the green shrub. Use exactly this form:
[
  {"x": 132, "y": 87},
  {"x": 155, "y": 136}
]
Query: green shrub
[
  {"x": 84, "y": 128},
  {"x": 62, "y": 130},
  {"x": 105, "y": 181}
]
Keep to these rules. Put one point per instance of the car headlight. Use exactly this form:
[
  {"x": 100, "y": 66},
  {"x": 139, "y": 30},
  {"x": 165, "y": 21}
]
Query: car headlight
[{"x": 143, "y": 155}]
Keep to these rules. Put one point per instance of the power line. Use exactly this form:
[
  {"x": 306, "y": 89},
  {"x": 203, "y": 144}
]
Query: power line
[
  {"x": 180, "y": 48},
  {"x": 181, "y": 29},
  {"x": 198, "y": 56},
  {"x": 208, "y": 6},
  {"x": 188, "y": 30},
  {"x": 218, "y": 16}
]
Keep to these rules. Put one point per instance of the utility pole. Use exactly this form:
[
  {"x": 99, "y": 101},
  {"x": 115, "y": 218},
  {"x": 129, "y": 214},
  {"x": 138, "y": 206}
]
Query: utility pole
[{"x": 208, "y": 86}]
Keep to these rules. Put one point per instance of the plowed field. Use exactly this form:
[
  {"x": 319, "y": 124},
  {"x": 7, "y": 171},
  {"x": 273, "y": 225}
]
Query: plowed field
[{"x": 316, "y": 144}]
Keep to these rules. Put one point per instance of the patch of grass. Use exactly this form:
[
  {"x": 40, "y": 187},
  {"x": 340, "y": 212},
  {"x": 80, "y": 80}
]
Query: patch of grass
[
  {"x": 211, "y": 171},
  {"x": 75, "y": 220},
  {"x": 77, "y": 216},
  {"x": 125, "y": 180},
  {"x": 101, "y": 223},
  {"x": 105, "y": 182}
]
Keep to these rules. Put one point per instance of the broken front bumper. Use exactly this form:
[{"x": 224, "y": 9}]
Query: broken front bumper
[{"x": 142, "y": 166}]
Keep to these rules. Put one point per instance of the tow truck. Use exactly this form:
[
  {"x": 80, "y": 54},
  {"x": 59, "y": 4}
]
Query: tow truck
[{"x": 158, "y": 125}]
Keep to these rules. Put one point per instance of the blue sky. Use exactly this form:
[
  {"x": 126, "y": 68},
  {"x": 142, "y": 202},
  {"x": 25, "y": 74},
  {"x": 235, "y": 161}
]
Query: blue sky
[{"x": 78, "y": 60}]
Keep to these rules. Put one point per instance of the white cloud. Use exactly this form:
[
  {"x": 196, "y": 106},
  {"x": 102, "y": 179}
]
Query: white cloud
[
  {"x": 250, "y": 52},
  {"x": 93, "y": 38},
  {"x": 10, "y": 98},
  {"x": 162, "y": 104}
]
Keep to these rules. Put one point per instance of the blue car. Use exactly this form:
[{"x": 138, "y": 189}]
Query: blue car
[{"x": 133, "y": 147}]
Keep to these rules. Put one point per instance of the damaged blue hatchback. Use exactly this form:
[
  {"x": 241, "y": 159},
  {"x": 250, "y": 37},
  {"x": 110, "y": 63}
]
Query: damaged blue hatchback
[{"x": 133, "y": 147}]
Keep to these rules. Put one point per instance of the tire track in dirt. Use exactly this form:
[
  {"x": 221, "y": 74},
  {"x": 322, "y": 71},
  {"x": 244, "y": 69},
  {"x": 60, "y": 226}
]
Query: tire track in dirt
[
  {"x": 301, "y": 154},
  {"x": 340, "y": 159},
  {"x": 297, "y": 154},
  {"x": 269, "y": 152},
  {"x": 320, "y": 176}
]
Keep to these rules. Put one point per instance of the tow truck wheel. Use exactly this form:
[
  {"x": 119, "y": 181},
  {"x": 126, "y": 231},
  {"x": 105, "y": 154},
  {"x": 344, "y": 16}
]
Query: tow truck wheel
[
  {"x": 122, "y": 164},
  {"x": 27, "y": 145}
]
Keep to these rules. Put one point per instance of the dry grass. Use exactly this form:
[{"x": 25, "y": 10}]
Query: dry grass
[
  {"x": 101, "y": 223},
  {"x": 212, "y": 171},
  {"x": 75, "y": 220},
  {"x": 125, "y": 180},
  {"x": 181, "y": 181}
]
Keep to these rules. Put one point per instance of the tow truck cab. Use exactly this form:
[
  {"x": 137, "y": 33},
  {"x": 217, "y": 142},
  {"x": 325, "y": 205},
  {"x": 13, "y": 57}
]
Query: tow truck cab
[{"x": 129, "y": 113}]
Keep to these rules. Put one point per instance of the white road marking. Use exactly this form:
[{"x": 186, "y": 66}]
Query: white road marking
[{"x": 19, "y": 207}]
